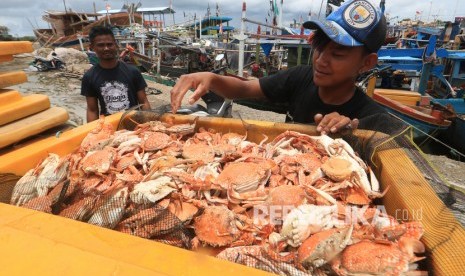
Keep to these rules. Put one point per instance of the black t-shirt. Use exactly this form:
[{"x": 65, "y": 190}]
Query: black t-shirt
[
  {"x": 295, "y": 86},
  {"x": 116, "y": 88}
]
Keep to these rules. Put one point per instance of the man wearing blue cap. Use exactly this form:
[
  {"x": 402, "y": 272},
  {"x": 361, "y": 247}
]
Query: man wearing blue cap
[{"x": 344, "y": 46}]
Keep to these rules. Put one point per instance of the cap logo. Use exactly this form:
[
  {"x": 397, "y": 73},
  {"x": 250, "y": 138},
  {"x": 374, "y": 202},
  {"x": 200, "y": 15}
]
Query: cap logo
[{"x": 359, "y": 14}]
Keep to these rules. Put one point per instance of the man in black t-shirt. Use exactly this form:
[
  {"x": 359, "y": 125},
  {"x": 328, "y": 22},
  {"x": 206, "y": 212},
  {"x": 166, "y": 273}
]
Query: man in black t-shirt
[
  {"x": 344, "y": 46},
  {"x": 112, "y": 84}
]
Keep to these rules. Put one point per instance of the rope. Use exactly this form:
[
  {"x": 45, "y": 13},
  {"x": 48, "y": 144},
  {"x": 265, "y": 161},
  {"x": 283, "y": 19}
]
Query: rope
[
  {"x": 429, "y": 136},
  {"x": 425, "y": 157}
]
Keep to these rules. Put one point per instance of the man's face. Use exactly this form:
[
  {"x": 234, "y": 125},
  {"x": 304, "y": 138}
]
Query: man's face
[
  {"x": 335, "y": 64},
  {"x": 105, "y": 47}
]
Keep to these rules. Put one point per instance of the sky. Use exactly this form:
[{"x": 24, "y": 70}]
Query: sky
[{"x": 20, "y": 16}]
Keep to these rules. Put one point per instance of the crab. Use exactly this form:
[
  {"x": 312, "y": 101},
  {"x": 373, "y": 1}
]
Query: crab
[
  {"x": 80, "y": 210},
  {"x": 125, "y": 161},
  {"x": 232, "y": 138},
  {"x": 287, "y": 195},
  {"x": 153, "y": 190},
  {"x": 99, "y": 161},
  {"x": 38, "y": 181},
  {"x": 123, "y": 136},
  {"x": 203, "y": 152},
  {"x": 143, "y": 223},
  {"x": 217, "y": 226},
  {"x": 150, "y": 126},
  {"x": 203, "y": 136},
  {"x": 245, "y": 175},
  {"x": 111, "y": 208},
  {"x": 46, "y": 202},
  {"x": 99, "y": 137},
  {"x": 300, "y": 168},
  {"x": 180, "y": 129},
  {"x": 279, "y": 200},
  {"x": 322, "y": 247},
  {"x": 412, "y": 229},
  {"x": 368, "y": 257},
  {"x": 131, "y": 174},
  {"x": 358, "y": 187},
  {"x": 153, "y": 141},
  {"x": 305, "y": 220}
]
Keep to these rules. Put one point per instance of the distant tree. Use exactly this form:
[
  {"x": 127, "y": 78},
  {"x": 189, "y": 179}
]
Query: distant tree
[{"x": 4, "y": 30}]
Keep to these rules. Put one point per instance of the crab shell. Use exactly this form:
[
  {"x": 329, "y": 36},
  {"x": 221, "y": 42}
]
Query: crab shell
[
  {"x": 244, "y": 176},
  {"x": 216, "y": 226},
  {"x": 184, "y": 211},
  {"x": 368, "y": 257},
  {"x": 337, "y": 169},
  {"x": 322, "y": 246},
  {"x": 202, "y": 152},
  {"x": 154, "y": 141},
  {"x": 287, "y": 196},
  {"x": 99, "y": 161}
]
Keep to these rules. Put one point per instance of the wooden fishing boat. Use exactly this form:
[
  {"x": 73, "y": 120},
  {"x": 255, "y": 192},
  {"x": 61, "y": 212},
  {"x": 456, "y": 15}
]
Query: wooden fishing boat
[
  {"x": 23, "y": 230},
  {"x": 70, "y": 29},
  {"x": 408, "y": 106}
]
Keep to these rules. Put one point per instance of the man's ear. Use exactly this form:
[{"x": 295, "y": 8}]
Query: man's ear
[{"x": 370, "y": 61}]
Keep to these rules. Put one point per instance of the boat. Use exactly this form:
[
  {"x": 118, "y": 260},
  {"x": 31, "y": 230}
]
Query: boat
[
  {"x": 435, "y": 70},
  {"x": 212, "y": 26},
  {"x": 70, "y": 29},
  {"x": 407, "y": 105}
]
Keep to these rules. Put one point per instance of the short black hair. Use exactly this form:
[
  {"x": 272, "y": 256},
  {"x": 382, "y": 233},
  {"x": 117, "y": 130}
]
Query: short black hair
[
  {"x": 320, "y": 40},
  {"x": 99, "y": 30}
]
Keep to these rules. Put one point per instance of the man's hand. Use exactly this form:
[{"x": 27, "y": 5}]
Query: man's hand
[
  {"x": 201, "y": 82},
  {"x": 334, "y": 122}
]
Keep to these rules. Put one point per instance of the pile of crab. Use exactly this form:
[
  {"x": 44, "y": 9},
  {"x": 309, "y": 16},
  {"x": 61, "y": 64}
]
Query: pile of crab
[{"x": 297, "y": 204}]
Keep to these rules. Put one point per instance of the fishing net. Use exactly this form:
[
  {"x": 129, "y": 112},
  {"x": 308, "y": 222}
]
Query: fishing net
[{"x": 381, "y": 134}]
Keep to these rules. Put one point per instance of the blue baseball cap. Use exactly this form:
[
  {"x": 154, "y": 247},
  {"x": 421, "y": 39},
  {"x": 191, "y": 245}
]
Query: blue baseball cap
[{"x": 355, "y": 23}]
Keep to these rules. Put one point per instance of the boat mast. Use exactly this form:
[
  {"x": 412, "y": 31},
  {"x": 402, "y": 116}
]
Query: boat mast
[
  {"x": 64, "y": 3},
  {"x": 241, "y": 39}
]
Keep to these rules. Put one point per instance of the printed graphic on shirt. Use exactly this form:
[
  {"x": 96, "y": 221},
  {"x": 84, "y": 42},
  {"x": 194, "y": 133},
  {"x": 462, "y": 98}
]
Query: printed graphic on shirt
[{"x": 115, "y": 96}]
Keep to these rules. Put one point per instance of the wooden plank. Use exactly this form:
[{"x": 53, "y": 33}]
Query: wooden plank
[
  {"x": 26, "y": 106},
  {"x": 15, "y": 47},
  {"x": 32, "y": 125},
  {"x": 12, "y": 78}
]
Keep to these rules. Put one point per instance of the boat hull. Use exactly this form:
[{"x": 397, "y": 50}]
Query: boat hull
[{"x": 425, "y": 120}]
